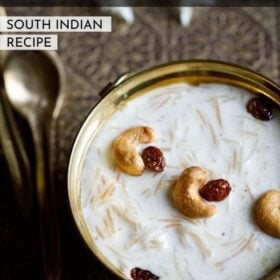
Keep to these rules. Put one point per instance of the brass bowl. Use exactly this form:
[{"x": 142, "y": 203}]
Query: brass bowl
[{"x": 115, "y": 94}]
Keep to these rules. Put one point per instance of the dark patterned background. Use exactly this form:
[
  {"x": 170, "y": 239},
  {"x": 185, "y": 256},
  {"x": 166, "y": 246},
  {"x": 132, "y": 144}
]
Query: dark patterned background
[{"x": 247, "y": 36}]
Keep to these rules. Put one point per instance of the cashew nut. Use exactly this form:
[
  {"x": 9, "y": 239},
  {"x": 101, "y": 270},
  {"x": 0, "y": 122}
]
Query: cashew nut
[
  {"x": 186, "y": 194},
  {"x": 127, "y": 158},
  {"x": 267, "y": 213}
]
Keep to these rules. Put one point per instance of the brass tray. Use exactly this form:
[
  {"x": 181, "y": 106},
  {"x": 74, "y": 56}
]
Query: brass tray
[{"x": 115, "y": 94}]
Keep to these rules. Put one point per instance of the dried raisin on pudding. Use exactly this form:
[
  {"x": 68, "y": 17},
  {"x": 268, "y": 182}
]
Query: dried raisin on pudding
[
  {"x": 215, "y": 190},
  {"x": 153, "y": 159},
  {"x": 140, "y": 274},
  {"x": 260, "y": 109}
]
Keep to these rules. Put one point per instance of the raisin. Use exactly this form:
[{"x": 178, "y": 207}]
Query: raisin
[
  {"x": 153, "y": 159},
  {"x": 260, "y": 109},
  {"x": 215, "y": 190},
  {"x": 140, "y": 274}
]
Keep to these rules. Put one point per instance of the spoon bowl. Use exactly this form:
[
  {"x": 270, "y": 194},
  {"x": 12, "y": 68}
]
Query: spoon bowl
[{"x": 32, "y": 82}]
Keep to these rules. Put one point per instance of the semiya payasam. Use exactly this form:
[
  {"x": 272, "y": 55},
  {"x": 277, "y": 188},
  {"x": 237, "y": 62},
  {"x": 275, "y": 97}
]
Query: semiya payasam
[{"x": 132, "y": 219}]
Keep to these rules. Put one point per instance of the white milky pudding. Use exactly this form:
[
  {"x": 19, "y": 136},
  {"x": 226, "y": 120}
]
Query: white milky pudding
[{"x": 132, "y": 219}]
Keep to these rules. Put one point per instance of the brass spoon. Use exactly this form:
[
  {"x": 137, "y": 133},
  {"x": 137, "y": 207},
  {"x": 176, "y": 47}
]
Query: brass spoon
[
  {"x": 33, "y": 81},
  {"x": 14, "y": 151},
  {"x": 16, "y": 157}
]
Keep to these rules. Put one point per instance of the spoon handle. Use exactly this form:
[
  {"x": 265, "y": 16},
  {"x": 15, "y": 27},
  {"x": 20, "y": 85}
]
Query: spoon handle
[
  {"x": 16, "y": 157},
  {"x": 48, "y": 219}
]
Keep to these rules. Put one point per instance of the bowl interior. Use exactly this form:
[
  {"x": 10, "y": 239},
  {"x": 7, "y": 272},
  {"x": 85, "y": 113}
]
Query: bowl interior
[{"x": 193, "y": 72}]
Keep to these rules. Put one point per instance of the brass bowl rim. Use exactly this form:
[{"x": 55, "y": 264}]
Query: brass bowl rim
[
  {"x": 213, "y": 62},
  {"x": 231, "y": 68}
]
